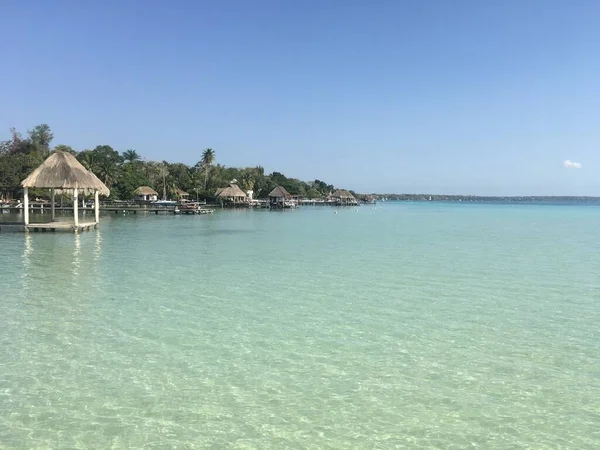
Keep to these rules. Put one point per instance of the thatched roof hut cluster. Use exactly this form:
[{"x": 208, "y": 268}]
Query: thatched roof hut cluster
[{"x": 281, "y": 198}]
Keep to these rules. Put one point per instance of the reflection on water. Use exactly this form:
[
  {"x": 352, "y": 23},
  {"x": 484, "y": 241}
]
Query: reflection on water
[
  {"x": 76, "y": 255},
  {"x": 97, "y": 246},
  {"x": 464, "y": 327},
  {"x": 49, "y": 260},
  {"x": 27, "y": 250}
]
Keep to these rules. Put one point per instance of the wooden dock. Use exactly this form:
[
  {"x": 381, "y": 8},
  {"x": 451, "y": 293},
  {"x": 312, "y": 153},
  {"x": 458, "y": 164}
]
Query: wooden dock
[
  {"x": 43, "y": 227},
  {"x": 61, "y": 226},
  {"x": 109, "y": 209},
  {"x": 116, "y": 209}
]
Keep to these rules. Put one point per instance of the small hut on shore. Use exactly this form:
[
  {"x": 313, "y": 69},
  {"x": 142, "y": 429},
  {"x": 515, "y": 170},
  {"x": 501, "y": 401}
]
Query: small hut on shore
[
  {"x": 277, "y": 197},
  {"x": 343, "y": 197},
  {"x": 181, "y": 194},
  {"x": 231, "y": 194},
  {"x": 62, "y": 172},
  {"x": 145, "y": 194}
]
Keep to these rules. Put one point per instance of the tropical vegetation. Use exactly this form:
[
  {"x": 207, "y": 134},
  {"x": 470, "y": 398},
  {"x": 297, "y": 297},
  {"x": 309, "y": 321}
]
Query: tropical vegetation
[{"x": 123, "y": 172}]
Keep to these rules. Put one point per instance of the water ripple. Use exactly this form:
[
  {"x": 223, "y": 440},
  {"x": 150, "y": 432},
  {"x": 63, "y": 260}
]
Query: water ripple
[{"x": 406, "y": 326}]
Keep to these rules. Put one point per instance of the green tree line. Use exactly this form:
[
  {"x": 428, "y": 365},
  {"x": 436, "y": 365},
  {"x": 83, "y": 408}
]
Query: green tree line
[{"x": 123, "y": 172}]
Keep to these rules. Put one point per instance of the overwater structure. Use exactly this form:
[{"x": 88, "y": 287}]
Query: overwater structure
[{"x": 62, "y": 173}]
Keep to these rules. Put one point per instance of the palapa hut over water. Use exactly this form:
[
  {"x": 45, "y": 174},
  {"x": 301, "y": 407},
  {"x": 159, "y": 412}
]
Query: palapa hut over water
[
  {"x": 232, "y": 194},
  {"x": 61, "y": 171},
  {"x": 277, "y": 197},
  {"x": 344, "y": 198},
  {"x": 145, "y": 194}
]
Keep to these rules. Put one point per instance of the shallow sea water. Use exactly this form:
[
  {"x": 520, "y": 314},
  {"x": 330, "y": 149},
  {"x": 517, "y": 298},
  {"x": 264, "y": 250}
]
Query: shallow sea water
[{"x": 402, "y": 326}]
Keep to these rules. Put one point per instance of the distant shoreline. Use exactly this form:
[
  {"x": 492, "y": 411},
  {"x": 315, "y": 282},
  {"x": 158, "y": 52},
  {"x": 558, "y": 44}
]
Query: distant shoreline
[{"x": 482, "y": 198}]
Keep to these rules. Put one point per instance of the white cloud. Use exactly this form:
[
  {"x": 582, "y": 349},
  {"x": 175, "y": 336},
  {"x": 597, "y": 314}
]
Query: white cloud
[{"x": 568, "y": 164}]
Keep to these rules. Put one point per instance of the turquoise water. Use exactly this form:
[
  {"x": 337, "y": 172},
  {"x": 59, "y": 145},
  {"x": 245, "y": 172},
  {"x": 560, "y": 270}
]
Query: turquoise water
[{"x": 405, "y": 326}]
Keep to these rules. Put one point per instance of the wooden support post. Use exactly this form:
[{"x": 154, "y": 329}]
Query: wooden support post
[
  {"x": 26, "y": 206},
  {"x": 75, "y": 209},
  {"x": 97, "y": 206},
  {"x": 52, "y": 210}
]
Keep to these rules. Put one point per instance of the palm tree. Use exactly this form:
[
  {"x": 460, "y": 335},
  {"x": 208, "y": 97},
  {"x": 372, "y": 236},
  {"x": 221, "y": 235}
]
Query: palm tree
[
  {"x": 208, "y": 158},
  {"x": 89, "y": 160},
  {"x": 247, "y": 179},
  {"x": 164, "y": 171},
  {"x": 131, "y": 155}
]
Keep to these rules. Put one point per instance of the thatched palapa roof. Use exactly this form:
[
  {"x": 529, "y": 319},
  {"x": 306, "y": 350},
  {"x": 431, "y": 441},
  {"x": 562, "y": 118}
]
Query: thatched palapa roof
[
  {"x": 342, "y": 193},
  {"x": 145, "y": 190},
  {"x": 233, "y": 190},
  {"x": 279, "y": 191},
  {"x": 181, "y": 193},
  {"x": 61, "y": 170}
]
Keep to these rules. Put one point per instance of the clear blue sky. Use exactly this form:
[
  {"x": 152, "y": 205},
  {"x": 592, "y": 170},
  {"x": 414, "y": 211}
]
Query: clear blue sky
[{"x": 485, "y": 97}]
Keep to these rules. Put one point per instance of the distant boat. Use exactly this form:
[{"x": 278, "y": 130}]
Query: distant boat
[{"x": 430, "y": 198}]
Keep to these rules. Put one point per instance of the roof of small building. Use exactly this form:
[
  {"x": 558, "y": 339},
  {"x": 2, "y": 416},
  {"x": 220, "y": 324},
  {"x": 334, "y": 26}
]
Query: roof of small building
[
  {"x": 61, "y": 170},
  {"x": 233, "y": 190},
  {"x": 279, "y": 191},
  {"x": 342, "y": 193},
  {"x": 145, "y": 190}
]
